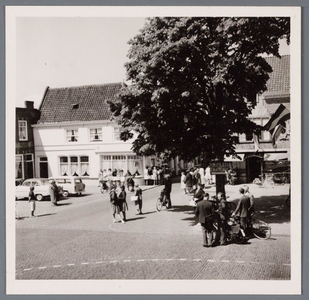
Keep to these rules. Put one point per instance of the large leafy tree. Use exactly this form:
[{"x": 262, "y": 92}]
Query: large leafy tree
[{"x": 194, "y": 82}]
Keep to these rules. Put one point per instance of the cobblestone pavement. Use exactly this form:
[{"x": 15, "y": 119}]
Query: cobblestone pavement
[{"x": 78, "y": 240}]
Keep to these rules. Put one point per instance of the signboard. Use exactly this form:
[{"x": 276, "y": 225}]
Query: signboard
[{"x": 219, "y": 167}]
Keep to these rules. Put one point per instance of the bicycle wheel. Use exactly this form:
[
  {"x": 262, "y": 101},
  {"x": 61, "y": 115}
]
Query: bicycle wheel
[
  {"x": 159, "y": 204},
  {"x": 261, "y": 230}
]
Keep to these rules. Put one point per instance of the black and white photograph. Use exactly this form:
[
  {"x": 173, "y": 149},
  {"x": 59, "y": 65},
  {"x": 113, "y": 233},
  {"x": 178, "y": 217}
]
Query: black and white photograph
[{"x": 156, "y": 150}]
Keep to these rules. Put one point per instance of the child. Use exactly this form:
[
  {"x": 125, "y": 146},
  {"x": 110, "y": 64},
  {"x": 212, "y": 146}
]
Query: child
[{"x": 32, "y": 201}]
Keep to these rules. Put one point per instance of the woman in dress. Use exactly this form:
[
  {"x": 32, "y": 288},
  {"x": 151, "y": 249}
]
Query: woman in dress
[{"x": 115, "y": 209}]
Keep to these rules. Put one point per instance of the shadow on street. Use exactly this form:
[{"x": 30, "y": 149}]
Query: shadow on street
[{"x": 271, "y": 209}]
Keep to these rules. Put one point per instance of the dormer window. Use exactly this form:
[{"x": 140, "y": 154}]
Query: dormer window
[
  {"x": 72, "y": 135},
  {"x": 75, "y": 106},
  {"x": 95, "y": 134}
]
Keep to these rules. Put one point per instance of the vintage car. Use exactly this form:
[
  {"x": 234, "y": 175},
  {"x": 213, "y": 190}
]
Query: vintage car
[
  {"x": 70, "y": 185},
  {"x": 41, "y": 188}
]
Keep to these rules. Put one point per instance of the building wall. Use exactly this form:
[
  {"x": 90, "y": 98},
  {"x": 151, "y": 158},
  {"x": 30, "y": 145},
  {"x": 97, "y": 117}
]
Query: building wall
[
  {"x": 51, "y": 142},
  {"x": 24, "y": 141}
]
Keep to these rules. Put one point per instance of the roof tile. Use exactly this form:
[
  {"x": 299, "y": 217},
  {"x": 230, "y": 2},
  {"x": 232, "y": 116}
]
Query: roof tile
[{"x": 57, "y": 105}]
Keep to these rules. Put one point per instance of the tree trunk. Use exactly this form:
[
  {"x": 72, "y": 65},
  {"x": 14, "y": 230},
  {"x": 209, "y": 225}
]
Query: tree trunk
[{"x": 220, "y": 183}]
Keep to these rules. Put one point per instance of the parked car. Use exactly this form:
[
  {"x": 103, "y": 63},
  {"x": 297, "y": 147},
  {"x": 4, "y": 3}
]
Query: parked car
[
  {"x": 71, "y": 185},
  {"x": 41, "y": 188}
]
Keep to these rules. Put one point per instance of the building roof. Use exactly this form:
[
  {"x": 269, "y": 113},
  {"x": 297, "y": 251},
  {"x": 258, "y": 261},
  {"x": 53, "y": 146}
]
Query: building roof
[
  {"x": 81, "y": 103},
  {"x": 279, "y": 79}
]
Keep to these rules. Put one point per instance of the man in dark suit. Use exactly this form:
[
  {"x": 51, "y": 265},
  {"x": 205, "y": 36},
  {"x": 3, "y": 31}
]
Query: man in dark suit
[
  {"x": 204, "y": 213},
  {"x": 243, "y": 208},
  {"x": 168, "y": 189}
]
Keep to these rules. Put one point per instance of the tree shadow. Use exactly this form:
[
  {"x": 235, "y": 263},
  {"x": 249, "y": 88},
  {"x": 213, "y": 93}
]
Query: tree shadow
[
  {"x": 271, "y": 209},
  {"x": 189, "y": 210}
]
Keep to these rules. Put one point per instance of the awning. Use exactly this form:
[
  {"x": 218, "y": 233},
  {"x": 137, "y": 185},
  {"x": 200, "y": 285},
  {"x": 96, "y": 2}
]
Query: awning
[
  {"x": 230, "y": 158},
  {"x": 276, "y": 156}
]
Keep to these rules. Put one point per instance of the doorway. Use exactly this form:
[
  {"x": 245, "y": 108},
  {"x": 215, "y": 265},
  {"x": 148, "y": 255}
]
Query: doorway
[
  {"x": 253, "y": 167},
  {"x": 43, "y": 167}
]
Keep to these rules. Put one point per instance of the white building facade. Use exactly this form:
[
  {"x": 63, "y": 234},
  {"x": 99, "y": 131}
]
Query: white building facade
[{"x": 76, "y": 136}]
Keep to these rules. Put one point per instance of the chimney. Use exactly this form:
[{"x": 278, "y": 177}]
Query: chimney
[{"x": 29, "y": 104}]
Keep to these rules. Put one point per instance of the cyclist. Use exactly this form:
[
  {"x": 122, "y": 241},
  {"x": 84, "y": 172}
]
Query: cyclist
[{"x": 168, "y": 189}]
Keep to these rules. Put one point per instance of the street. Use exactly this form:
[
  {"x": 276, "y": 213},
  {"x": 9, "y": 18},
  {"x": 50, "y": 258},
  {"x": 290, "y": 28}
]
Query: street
[{"x": 78, "y": 240}]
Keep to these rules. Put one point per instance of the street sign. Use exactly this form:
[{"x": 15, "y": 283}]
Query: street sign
[{"x": 219, "y": 167}]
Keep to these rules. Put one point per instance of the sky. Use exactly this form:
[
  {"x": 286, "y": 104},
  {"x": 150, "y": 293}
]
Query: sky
[{"x": 64, "y": 52}]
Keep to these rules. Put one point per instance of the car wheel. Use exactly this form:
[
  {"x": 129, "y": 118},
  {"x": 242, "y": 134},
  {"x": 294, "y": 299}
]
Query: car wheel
[
  {"x": 39, "y": 197},
  {"x": 65, "y": 194}
]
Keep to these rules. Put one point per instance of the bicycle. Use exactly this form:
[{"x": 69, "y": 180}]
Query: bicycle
[
  {"x": 260, "y": 229},
  {"x": 162, "y": 201},
  {"x": 264, "y": 182}
]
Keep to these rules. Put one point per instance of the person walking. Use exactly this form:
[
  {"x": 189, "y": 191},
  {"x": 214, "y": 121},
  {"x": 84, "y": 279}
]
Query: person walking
[
  {"x": 100, "y": 178},
  {"x": 31, "y": 200},
  {"x": 222, "y": 217},
  {"x": 115, "y": 209},
  {"x": 53, "y": 192},
  {"x": 204, "y": 213},
  {"x": 182, "y": 182},
  {"x": 139, "y": 201},
  {"x": 243, "y": 208},
  {"x": 123, "y": 205},
  {"x": 189, "y": 181},
  {"x": 168, "y": 190},
  {"x": 208, "y": 175},
  {"x": 199, "y": 193}
]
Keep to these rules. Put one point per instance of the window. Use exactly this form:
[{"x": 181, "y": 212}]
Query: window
[
  {"x": 64, "y": 165},
  {"x": 19, "y": 166},
  {"x": 22, "y": 131},
  {"x": 117, "y": 133},
  {"x": 126, "y": 163},
  {"x": 72, "y": 135},
  {"x": 95, "y": 134},
  {"x": 74, "y": 165},
  {"x": 84, "y": 164}
]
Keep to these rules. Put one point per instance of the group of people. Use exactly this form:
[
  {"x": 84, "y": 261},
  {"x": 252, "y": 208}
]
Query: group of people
[
  {"x": 194, "y": 177},
  {"x": 119, "y": 204},
  {"x": 109, "y": 178},
  {"x": 156, "y": 175},
  {"x": 215, "y": 211},
  {"x": 53, "y": 192}
]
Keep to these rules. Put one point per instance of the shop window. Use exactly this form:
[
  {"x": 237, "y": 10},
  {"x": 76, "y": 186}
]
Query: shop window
[{"x": 22, "y": 131}]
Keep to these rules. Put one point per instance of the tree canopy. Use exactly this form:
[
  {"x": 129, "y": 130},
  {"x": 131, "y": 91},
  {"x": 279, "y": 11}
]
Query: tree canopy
[{"x": 194, "y": 82}]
